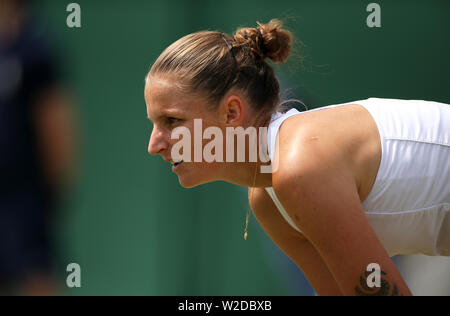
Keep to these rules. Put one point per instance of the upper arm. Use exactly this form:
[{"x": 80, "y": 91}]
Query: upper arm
[
  {"x": 292, "y": 243},
  {"x": 320, "y": 194},
  {"x": 55, "y": 133}
]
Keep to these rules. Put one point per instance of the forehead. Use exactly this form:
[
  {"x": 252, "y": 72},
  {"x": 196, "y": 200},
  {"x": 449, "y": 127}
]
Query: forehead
[{"x": 163, "y": 97}]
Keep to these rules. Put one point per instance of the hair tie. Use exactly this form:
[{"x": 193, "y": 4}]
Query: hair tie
[
  {"x": 230, "y": 48},
  {"x": 262, "y": 47},
  {"x": 226, "y": 42}
]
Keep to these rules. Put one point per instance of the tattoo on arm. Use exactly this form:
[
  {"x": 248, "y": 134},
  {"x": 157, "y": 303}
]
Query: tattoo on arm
[{"x": 385, "y": 288}]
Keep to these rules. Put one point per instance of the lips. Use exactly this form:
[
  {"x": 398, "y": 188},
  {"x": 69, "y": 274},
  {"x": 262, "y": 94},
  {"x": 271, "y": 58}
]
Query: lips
[{"x": 174, "y": 163}]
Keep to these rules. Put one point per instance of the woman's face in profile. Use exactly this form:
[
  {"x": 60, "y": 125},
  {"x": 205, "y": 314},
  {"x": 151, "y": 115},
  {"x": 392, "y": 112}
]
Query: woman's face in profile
[{"x": 168, "y": 109}]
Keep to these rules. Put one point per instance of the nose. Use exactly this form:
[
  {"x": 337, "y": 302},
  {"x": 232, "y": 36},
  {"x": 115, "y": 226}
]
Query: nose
[{"x": 158, "y": 142}]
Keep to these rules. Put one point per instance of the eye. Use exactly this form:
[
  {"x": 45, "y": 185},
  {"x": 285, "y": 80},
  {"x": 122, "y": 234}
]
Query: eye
[{"x": 172, "y": 120}]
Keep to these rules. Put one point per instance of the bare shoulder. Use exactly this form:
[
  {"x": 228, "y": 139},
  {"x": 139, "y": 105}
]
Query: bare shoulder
[
  {"x": 336, "y": 140},
  {"x": 335, "y": 131}
]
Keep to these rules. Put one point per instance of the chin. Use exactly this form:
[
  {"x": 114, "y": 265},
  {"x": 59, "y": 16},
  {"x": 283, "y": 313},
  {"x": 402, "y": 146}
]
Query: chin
[
  {"x": 188, "y": 185},
  {"x": 192, "y": 182},
  {"x": 201, "y": 174}
]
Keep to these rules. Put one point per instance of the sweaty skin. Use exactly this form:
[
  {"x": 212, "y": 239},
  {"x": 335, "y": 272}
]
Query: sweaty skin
[{"x": 329, "y": 160}]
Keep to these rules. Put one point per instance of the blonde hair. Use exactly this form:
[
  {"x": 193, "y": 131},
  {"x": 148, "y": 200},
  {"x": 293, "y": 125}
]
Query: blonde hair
[{"x": 211, "y": 63}]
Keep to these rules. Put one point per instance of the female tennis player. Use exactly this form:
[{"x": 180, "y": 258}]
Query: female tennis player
[{"x": 354, "y": 183}]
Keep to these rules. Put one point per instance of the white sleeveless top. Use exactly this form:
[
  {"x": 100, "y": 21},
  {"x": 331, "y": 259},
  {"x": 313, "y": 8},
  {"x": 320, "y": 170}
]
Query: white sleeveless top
[{"x": 409, "y": 204}]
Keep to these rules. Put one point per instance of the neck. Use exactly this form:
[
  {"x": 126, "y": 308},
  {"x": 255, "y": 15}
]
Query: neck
[{"x": 247, "y": 174}]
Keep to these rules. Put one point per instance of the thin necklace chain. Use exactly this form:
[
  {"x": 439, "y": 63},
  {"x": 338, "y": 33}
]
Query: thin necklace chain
[{"x": 248, "y": 208}]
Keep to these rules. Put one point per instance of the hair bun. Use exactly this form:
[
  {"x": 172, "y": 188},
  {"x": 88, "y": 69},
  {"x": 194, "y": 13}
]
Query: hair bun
[{"x": 267, "y": 40}]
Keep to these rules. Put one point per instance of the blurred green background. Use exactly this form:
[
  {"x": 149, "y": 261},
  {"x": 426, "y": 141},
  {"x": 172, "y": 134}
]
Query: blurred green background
[{"x": 128, "y": 223}]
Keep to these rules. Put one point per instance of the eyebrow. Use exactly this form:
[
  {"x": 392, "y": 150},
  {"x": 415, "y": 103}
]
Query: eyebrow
[{"x": 166, "y": 113}]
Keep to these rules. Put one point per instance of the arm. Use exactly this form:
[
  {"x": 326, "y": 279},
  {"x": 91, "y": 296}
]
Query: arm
[
  {"x": 320, "y": 194},
  {"x": 293, "y": 244},
  {"x": 55, "y": 135}
]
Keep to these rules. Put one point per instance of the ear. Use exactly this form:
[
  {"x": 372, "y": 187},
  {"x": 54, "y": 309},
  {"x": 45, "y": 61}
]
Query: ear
[{"x": 234, "y": 110}]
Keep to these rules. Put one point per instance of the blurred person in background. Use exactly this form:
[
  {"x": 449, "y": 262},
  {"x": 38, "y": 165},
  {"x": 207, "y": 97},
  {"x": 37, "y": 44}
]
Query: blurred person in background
[{"x": 36, "y": 141}]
